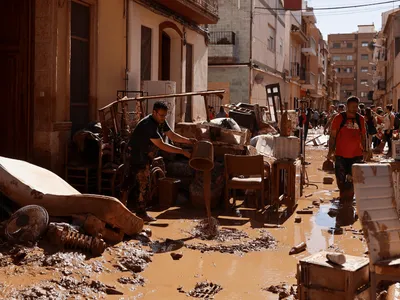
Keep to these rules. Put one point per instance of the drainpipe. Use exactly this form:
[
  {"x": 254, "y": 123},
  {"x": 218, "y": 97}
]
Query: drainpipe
[
  {"x": 251, "y": 50},
  {"x": 127, "y": 45}
]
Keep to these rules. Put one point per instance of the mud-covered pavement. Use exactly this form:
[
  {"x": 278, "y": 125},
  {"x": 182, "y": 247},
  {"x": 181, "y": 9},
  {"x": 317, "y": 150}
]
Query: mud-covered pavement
[{"x": 240, "y": 263}]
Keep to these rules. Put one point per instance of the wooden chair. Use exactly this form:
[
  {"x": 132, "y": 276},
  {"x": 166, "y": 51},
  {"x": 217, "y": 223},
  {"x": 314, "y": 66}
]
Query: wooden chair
[
  {"x": 379, "y": 216},
  {"x": 244, "y": 173},
  {"x": 80, "y": 173},
  {"x": 107, "y": 169}
]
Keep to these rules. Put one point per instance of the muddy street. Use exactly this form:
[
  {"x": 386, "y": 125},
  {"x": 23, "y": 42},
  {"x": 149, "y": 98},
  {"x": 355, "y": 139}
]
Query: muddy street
[{"x": 240, "y": 262}]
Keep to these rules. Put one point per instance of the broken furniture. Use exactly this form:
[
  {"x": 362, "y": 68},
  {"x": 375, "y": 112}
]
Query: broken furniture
[
  {"x": 244, "y": 173},
  {"x": 107, "y": 170},
  {"x": 378, "y": 211},
  {"x": 80, "y": 172},
  {"x": 317, "y": 278},
  {"x": 26, "y": 184},
  {"x": 279, "y": 147},
  {"x": 203, "y": 160},
  {"x": 286, "y": 183}
]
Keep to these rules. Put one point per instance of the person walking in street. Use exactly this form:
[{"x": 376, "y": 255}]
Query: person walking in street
[
  {"x": 388, "y": 125},
  {"x": 315, "y": 119},
  {"x": 142, "y": 148},
  {"x": 370, "y": 121},
  {"x": 221, "y": 113},
  {"x": 347, "y": 145}
]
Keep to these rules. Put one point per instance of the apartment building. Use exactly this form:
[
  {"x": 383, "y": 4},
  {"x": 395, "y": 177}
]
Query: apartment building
[
  {"x": 65, "y": 59},
  {"x": 352, "y": 56},
  {"x": 247, "y": 50},
  {"x": 389, "y": 57}
]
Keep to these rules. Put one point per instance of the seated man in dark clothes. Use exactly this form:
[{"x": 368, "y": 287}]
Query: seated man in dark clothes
[{"x": 142, "y": 148}]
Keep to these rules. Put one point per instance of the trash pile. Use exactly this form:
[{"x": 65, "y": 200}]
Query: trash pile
[
  {"x": 264, "y": 242},
  {"x": 209, "y": 230},
  {"x": 203, "y": 290},
  {"x": 284, "y": 290}
]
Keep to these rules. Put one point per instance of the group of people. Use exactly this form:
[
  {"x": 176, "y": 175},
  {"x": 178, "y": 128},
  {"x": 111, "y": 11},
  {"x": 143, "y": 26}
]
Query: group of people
[{"x": 353, "y": 130}]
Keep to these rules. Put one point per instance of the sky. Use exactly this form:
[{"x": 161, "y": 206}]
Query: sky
[{"x": 346, "y": 20}]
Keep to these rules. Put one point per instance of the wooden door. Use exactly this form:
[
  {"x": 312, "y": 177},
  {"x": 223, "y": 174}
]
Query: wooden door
[
  {"x": 16, "y": 34},
  {"x": 80, "y": 60},
  {"x": 165, "y": 57}
]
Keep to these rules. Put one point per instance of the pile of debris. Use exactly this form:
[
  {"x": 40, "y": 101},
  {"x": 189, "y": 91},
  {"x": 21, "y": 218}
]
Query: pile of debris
[
  {"x": 266, "y": 241},
  {"x": 209, "y": 230},
  {"x": 284, "y": 290}
]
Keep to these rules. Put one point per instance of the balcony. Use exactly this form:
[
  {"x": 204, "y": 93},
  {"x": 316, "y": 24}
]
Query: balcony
[
  {"x": 222, "y": 47},
  {"x": 309, "y": 15},
  {"x": 199, "y": 11},
  {"x": 309, "y": 48},
  {"x": 340, "y": 63},
  {"x": 382, "y": 85},
  {"x": 302, "y": 75},
  {"x": 321, "y": 65},
  {"x": 222, "y": 38},
  {"x": 309, "y": 81},
  {"x": 317, "y": 93},
  {"x": 298, "y": 34},
  {"x": 295, "y": 71}
]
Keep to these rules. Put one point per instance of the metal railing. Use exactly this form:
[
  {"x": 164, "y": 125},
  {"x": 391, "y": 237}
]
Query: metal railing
[
  {"x": 295, "y": 69},
  {"x": 381, "y": 85},
  {"x": 222, "y": 38},
  {"x": 302, "y": 73},
  {"x": 209, "y": 5}
]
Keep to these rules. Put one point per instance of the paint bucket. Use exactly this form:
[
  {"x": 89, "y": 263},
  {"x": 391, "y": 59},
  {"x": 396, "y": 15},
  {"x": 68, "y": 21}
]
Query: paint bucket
[{"x": 202, "y": 156}]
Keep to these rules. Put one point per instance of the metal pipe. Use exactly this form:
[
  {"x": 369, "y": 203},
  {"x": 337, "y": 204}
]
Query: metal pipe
[{"x": 127, "y": 45}]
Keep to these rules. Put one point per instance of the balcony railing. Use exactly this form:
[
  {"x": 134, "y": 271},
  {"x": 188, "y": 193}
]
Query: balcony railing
[
  {"x": 198, "y": 11},
  {"x": 295, "y": 70},
  {"x": 222, "y": 38},
  {"x": 209, "y": 5},
  {"x": 303, "y": 74},
  {"x": 309, "y": 82},
  {"x": 382, "y": 85}
]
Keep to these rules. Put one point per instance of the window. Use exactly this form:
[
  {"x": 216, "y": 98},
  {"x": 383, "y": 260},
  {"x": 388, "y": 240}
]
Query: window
[
  {"x": 336, "y": 45},
  {"x": 336, "y": 58},
  {"x": 396, "y": 46},
  {"x": 337, "y": 70},
  {"x": 364, "y": 81},
  {"x": 364, "y": 69},
  {"x": 271, "y": 39},
  {"x": 364, "y": 44},
  {"x": 364, "y": 56},
  {"x": 349, "y": 45},
  {"x": 349, "y": 57},
  {"x": 364, "y": 94},
  {"x": 348, "y": 70},
  {"x": 145, "y": 54}
]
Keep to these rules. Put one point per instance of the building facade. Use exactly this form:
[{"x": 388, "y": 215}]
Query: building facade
[
  {"x": 254, "y": 44},
  {"x": 352, "y": 56},
  {"x": 62, "y": 60}
]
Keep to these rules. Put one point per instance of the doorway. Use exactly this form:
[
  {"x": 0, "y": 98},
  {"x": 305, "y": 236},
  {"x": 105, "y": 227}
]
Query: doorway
[
  {"x": 80, "y": 63},
  {"x": 16, "y": 61},
  {"x": 189, "y": 81},
  {"x": 165, "y": 57}
]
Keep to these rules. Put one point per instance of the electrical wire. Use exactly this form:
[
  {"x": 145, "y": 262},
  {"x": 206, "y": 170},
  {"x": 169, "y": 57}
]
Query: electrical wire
[{"x": 336, "y": 7}]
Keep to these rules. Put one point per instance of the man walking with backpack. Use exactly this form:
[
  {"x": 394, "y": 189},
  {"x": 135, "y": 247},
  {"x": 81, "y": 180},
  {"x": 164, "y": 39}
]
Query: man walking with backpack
[{"x": 348, "y": 144}]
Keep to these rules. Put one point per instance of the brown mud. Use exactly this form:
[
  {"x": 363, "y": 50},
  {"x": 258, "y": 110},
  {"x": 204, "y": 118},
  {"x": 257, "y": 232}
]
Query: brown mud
[{"x": 240, "y": 262}]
